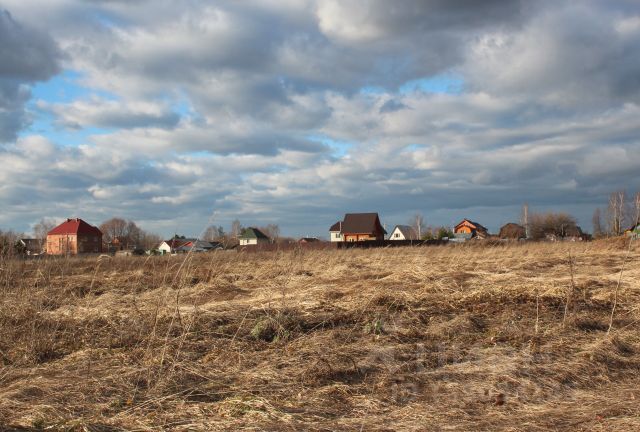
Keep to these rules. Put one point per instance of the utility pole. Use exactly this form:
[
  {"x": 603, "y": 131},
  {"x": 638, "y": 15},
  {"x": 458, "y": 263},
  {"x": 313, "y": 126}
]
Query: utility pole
[{"x": 525, "y": 219}]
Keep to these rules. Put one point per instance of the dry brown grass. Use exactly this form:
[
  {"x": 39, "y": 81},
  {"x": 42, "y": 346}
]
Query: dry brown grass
[{"x": 440, "y": 338}]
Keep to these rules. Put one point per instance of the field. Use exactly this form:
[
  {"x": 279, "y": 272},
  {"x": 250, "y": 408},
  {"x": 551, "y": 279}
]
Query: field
[{"x": 434, "y": 338}]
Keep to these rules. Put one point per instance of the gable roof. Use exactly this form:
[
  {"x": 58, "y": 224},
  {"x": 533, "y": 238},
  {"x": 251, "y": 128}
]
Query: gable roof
[
  {"x": 336, "y": 227},
  {"x": 512, "y": 231},
  {"x": 253, "y": 233},
  {"x": 407, "y": 231},
  {"x": 362, "y": 223},
  {"x": 475, "y": 225},
  {"x": 75, "y": 226},
  {"x": 31, "y": 244}
]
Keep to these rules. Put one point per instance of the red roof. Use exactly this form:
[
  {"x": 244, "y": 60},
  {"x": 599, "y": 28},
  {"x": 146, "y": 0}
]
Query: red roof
[{"x": 75, "y": 226}]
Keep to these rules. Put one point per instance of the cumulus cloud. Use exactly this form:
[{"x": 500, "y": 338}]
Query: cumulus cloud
[
  {"x": 298, "y": 110},
  {"x": 27, "y": 55},
  {"x": 113, "y": 114}
]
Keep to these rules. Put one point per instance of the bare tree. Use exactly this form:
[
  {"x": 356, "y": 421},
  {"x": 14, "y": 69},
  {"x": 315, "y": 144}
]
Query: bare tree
[
  {"x": 597, "y": 223},
  {"x": 616, "y": 212},
  {"x": 236, "y": 228},
  {"x": 273, "y": 231},
  {"x": 41, "y": 229},
  {"x": 557, "y": 224},
  {"x": 417, "y": 223},
  {"x": 125, "y": 232},
  {"x": 213, "y": 233}
]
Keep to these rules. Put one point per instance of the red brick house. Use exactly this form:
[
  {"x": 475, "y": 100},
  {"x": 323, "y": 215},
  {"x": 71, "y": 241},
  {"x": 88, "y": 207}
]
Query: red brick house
[
  {"x": 362, "y": 227},
  {"x": 73, "y": 237}
]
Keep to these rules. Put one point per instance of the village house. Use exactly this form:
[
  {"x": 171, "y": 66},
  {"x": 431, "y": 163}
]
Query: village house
[
  {"x": 73, "y": 237},
  {"x": 335, "y": 232},
  {"x": 308, "y": 240},
  {"x": 253, "y": 236},
  {"x": 634, "y": 231},
  {"x": 468, "y": 229},
  {"x": 185, "y": 245},
  {"x": 30, "y": 246},
  {"x": 358, "y": 227},
  {"x": 403, "y": 232},
  {"x": 512, "y": 231}
]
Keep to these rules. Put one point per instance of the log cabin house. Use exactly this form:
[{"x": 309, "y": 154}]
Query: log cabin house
[
  {"x": 358, "y": 227},
  {"x": 471, "y": 229}
]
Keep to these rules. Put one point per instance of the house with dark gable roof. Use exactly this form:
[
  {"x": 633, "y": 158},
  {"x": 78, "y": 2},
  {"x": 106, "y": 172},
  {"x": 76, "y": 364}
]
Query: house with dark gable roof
[
  {"x": 404, "y": 232},
  {"x": 253, "y": 236},
  {"x": 470, "y": 229},
  {"x": 361, "y": 227},
  {"x": 73, "y": 237},
  {"x": 335, "y": 232}
]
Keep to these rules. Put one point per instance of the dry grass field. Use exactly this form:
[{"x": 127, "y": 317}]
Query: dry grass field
[{"x": 439, "y": 338}]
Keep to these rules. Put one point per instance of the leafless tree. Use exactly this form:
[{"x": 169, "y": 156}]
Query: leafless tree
[
  {"x": 418, "y": 224},
  {"x": 616, "y": 212},
  {"x": 213, "y": 233},
  {"x": 558, "y": 224},
  {"x": 273, "y": 231},
  {"x": 126, "y": 232},
  {"x": 236, "y": 228},
  {"x": 41, "y": 229},
  {"x": 597, "y": 223}
]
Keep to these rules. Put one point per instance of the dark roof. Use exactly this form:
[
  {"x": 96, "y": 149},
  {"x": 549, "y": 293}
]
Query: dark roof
[
  {"x": 407, "y": 231},
  {"x": 31, "y": 244},
  {"x": 336, "y": 227},
  {"x": 75, "y": 226},
  {"x": 512, "y": 231},
  {"x": 308, "y": 239},
  {"x": 362, "y": 223},
  {"x": 478, "y": 226},
  {"x": 253, "y": 233},
  {"x": 176, "y": 242}
]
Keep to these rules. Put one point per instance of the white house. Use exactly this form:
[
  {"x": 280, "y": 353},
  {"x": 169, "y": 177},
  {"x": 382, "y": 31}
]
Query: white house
[
  {"x": 403, "y": 232},
  {"x": 335, "y": 232},
  {"x": 253, "y": 236}
]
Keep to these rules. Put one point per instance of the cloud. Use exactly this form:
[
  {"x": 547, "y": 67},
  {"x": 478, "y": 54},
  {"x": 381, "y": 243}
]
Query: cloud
[
  {"x": 218, "y": 106},
  {"x": 97, "y": 112},
  {"x": 27, "y": 56}
]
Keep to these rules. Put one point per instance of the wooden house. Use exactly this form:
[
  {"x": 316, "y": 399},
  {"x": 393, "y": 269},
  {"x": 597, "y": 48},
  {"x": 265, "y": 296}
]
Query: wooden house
[
  {"x": 470, "y": 229},
  {"x": 362, "y": 227}
]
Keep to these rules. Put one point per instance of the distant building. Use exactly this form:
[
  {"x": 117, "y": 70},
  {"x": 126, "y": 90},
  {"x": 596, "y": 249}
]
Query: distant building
[
  {"x": 30, "y": 246},
  {"x": 404, "y": 232},
  {"x": 470, "y": 229},
  {"x": 308, "y": 240},
  {"x": 185, "y": 245},
  {"x": 253, "y": 236},
  {"x": 335, "y": 232},
  {"x": 73, "y": 237},
  {"x": 634, "y": 231},
  {"x": 512, "y": 231},
  {"x": 362, "y": 227}
]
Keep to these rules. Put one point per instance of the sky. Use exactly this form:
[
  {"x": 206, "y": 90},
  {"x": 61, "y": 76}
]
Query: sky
[{"x": 182, "y": 114}]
